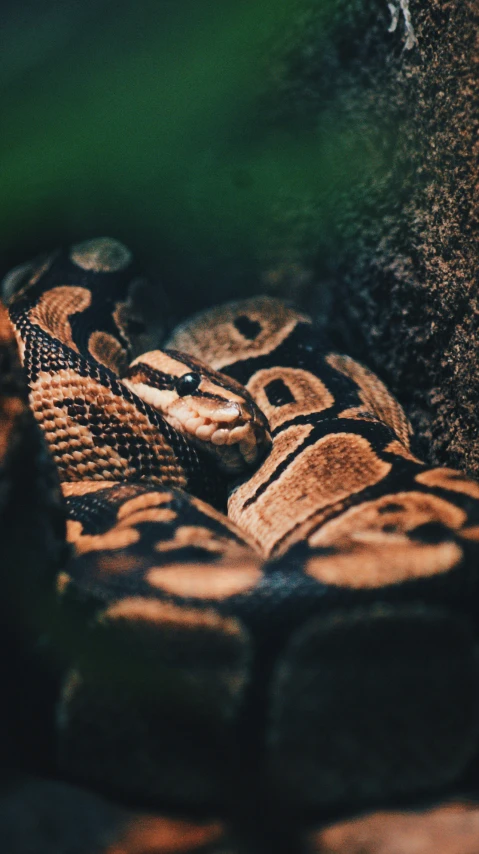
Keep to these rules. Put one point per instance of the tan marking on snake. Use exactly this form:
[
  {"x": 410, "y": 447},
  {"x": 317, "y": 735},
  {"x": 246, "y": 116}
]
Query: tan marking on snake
[
  {"x": 389, "y": 561},
  {"x": 160, "y": 361},
  {"x": 333, "y": 468},
  {"x": 116, "y": 538},
  {"x": 167, "y": 614},
  {"x": 205, "y": 580},
  {"x": 399, "y": 512},
  {"x": 150, "y": 514},
  {"x": 309, "y": 393},
  {"x": 228, "y": 344},
  {"x": 85, "y": 487},
  {"x": 148, "y": 834},
  {"x": 196, "y": 535},
  {"x": 399, "y": 450},
  {"x": 108, "y": 351},
  {"x": 74, "y": 530},
  {"x": 101, "y": 255},
  {"x": 449, "y": 479},
  {"x": 143, "y": 502},
  {"x": 54, "y": 308},
  {"x": 374, "y": 394}
]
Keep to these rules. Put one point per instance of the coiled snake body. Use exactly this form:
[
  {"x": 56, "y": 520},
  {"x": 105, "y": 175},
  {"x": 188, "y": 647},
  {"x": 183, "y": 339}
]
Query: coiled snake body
[{"x": 318, "y": 643}]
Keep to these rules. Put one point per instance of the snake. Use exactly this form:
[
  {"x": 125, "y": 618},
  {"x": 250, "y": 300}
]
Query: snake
[{"x": 264, "y": 595}]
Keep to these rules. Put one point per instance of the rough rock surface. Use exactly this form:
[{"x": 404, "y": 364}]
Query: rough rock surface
[{"x": 395, "y": 273}]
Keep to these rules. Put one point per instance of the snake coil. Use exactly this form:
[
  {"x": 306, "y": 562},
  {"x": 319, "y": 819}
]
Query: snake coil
[{"x": 318, "y": 641}]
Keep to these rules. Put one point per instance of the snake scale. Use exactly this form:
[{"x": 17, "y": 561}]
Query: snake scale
[{"x": 315, "y": 645}]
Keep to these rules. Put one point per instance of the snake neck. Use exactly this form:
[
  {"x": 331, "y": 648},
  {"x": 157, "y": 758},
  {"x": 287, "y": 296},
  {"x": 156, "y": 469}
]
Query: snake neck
[{"x": 74, "y": 320}]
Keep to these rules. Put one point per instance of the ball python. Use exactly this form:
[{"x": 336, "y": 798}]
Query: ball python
[{"x": 314, "y": 647}]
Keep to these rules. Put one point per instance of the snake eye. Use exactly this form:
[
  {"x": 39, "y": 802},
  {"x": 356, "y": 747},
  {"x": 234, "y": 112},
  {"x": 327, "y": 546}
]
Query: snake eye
[{"x": 188, "y": 384}]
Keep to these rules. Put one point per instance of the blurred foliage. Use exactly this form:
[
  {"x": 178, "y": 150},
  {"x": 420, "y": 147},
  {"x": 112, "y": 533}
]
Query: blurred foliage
[{"x": 144, "y": 120}]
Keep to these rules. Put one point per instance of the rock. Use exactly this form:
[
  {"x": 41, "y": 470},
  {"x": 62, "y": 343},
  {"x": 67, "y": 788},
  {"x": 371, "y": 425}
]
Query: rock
[{"x": 394, "y": 269}]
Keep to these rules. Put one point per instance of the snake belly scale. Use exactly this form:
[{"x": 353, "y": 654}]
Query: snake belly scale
[{"x": 319, "y": 639}]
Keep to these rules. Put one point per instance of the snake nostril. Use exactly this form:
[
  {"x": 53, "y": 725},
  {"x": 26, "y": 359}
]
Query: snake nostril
[{"x": 188, "y": 383}]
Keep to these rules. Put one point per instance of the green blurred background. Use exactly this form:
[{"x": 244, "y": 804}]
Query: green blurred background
[{"x": 206, "y": 135}]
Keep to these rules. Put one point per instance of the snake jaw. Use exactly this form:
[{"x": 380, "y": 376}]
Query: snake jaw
[
  {"x": 159, "y": 399},
  {"x": 219, "y": 415},
  {"x": 235, "y": 437}
]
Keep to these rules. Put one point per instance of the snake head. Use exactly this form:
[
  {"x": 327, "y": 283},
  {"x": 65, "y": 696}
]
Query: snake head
[{"x": 212, "y": 410}]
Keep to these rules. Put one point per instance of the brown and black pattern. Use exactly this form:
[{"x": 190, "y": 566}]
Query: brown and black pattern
[
  {"x": 96, "y": 428},
  {"x": 210, "y": 409},
  {"x": 151, "y": 585},
  {"x": 316, "y": 649},
  {"x": 133, "y": 539},
  {"x": 341, "y": 474},
  {"x": 141, "y": 549},
  {"x": 357, "y": 532}
]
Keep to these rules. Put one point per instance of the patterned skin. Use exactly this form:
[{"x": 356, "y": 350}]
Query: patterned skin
[
  {"x": 209, "y": 660},
  {"x": 347, "y": 516},
  {"x": 74, "y": 319},
  {"x": 216, "y": 413},
  {"x": 341, "y": 477}
]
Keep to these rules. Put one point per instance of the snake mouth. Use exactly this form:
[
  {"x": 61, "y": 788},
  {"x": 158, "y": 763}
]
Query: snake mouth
[
  {"x": 234, "y": 431},
  {"x": 237, "y": 439}
]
